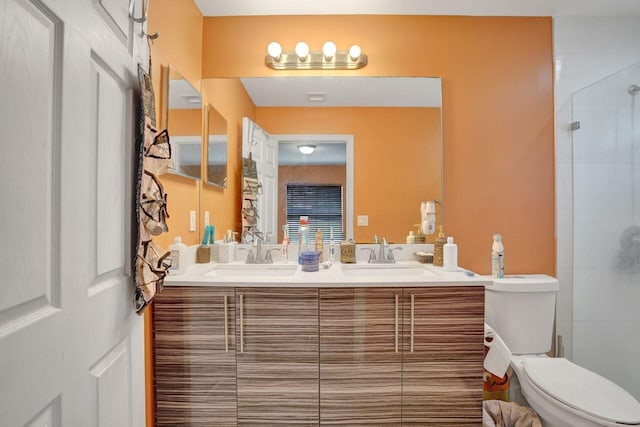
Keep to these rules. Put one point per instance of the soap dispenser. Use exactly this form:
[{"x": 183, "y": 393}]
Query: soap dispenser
[
  {"x": 438, "y": 249},
  {"x": 411, "y": 238}
]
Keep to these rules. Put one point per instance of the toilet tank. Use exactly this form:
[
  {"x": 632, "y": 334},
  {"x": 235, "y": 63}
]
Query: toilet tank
[{"x": 521, "y": 309}]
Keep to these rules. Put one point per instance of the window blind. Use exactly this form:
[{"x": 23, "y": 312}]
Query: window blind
[{"x": 321, "y": 203}]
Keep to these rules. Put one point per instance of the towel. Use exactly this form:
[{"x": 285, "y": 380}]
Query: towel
[{"x": 509, "y": 414}]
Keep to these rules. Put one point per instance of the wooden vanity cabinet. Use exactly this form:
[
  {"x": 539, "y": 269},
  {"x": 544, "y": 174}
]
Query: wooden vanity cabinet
[
  {"x": 331, "y": 356},
  {"x": 442, "y": 356},
  {"x": 361, "y": 356},
  {"x": 277, "y": 356},
  {"x": 195, "y": 356}
]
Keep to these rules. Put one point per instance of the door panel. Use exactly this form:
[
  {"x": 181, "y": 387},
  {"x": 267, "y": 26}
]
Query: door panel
[
  {"x": 263, "y": 148},
  {"x": 360, "y": 364},
  {"x": 70, "y": 342},
  {"x": 442, "y": 370},
  {"x": 195, "y": 359},
  {"x": 277, "y": 356}
]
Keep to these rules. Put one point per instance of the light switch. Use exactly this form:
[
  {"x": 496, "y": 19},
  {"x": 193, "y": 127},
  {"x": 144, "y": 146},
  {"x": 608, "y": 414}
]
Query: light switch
[
  {"x": 192, "y": 220},
  {"x": 206, "y": 218},
  {"x": 363, "y": 220}
]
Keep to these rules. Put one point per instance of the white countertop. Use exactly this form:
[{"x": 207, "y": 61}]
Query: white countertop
[{"x": 289, "y": 274}]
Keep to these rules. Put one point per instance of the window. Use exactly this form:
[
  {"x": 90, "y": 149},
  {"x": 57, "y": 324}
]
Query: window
[{"x": 321, "y": 203}]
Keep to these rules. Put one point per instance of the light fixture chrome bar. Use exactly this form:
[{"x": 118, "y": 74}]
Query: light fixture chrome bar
[{"x": 315, "y": 60}]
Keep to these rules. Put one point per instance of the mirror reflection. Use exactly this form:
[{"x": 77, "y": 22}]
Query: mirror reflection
[
  {"x": 394, "y": 162},
  {"x": 216, "y": 148},
  {"x": 184, "y": 122}
]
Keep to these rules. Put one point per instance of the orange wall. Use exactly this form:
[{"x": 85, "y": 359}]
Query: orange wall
[
  {"x": 180, "y": 44},
  {"x": 497, "y": 75},
  {"x": 230, "y": 99},
  {"x": 397, "y": 159}
]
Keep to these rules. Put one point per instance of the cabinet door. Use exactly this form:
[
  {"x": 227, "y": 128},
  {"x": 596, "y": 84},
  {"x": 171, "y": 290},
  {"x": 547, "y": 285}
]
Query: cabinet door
[
  {"x": 442, "y": 356},
  {"x": 194, "y": 349},
  {"x": 277, "y": 356},
  {"x": 360, "y": 356}
]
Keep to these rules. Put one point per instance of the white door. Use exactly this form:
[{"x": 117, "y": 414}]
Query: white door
[
  {"x": 264, "y": 150},
  {"x": 71, "y": 345}
]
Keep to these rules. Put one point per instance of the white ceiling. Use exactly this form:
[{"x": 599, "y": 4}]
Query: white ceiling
[
  {"x": 419, "y": 7},
  {"x": 344, "y": 91}
]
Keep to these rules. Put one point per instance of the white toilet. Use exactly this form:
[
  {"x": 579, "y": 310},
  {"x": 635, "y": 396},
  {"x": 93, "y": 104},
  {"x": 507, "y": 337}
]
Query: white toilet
[{"x": 521, "y": 310}]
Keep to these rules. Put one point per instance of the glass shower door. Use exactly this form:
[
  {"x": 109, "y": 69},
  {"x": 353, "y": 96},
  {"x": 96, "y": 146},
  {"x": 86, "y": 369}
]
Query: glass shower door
[{"x": 606, "y": 228}]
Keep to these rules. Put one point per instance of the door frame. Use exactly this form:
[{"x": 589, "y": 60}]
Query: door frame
[{"x": 332, "y": 139}]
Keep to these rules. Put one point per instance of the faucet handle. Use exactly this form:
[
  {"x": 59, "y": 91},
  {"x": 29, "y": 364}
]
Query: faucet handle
[
  {"x": 268, "y": 258},
  {"x": 250, "y": 256},
  {"x": 390, "y": 256},
  {"x": 372, "y": 254}
]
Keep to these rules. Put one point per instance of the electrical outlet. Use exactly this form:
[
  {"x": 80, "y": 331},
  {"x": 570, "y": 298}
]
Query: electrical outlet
[
  {"x": 363, "y": 220},
  {"x": 192, "y": 220},
  {"x": 207, "y": 218}
]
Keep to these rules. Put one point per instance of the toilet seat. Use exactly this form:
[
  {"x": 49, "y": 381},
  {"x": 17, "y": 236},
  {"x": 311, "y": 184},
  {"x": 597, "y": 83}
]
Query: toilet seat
[{"x": 585, "y": 392}]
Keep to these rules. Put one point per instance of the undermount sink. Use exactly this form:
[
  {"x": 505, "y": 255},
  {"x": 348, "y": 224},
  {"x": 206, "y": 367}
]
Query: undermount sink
[
  {"x": 386, "y": 270},
  {"x": 253, "y": 270}
]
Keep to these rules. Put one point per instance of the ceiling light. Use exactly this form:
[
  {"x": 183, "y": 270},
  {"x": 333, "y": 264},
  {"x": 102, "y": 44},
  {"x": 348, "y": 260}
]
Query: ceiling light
[
  {"x": 302, "y": 58},
  {"x": 306, "y": 149}
]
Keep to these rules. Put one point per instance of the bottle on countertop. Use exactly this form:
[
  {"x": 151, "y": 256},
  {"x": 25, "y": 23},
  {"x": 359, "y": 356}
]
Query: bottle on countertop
[
  {"x": 497, "y": 257},
  {"x": 285, "y": 243},
  {"x": 319, "y": 243},
  {"x": 411, "y": 238},
  {"x": 177, "y": 253},
  {"x": 438, "y": 249},
  {"x": 303, "y": 237},
  {"x": 450, "y": 255}
]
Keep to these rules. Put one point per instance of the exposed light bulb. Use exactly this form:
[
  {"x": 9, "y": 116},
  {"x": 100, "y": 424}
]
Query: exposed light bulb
[
  {"x": 329, "y": 50},
  {"x": 354, "y": 52},
  {"x": 302, "y": 50},
  {"x": 274, "y": 50}
]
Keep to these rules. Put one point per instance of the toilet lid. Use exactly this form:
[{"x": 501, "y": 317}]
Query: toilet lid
[{"x": 583, "y": 390}]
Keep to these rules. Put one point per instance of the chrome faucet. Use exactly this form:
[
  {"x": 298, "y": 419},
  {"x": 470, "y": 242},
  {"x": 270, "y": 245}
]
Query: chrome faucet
[
  {"x": 258, "y": 257},
  {"x": 385, "y": 253}
]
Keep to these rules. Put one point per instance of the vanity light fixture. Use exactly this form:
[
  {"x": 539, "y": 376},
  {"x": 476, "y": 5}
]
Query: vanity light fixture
[
  {"x": 307, "y": 149},
  {"x": 302, "y": 58}
]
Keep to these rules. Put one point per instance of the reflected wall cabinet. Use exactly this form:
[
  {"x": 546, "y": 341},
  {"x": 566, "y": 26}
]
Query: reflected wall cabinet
[{"x": 330, "y": 356}]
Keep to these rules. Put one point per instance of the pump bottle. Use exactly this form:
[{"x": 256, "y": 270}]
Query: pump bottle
[
  {"x": 497, "y": 257},
  {"x": 438, "y": 248},
  {"x": 178, "y": 254}
]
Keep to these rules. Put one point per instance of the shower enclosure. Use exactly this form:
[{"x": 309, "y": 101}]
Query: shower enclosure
[{"x": 606, "y": 228}]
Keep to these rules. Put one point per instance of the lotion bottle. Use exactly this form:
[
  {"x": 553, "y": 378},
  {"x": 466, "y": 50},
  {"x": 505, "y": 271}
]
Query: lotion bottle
[
  {"x": 450, "y": 255},
  {"x": 497, "y": 257},
  {"x": 178, "y": 252},
  {"x": 411, "y": 238}
]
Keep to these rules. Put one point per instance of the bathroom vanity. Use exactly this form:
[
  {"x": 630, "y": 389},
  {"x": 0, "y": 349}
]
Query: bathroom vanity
[{"x": 354, "y": 344}]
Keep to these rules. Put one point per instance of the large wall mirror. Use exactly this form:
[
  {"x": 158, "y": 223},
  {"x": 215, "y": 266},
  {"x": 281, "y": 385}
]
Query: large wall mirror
[
  {"x": 182, "y": 116},
  {"x": 395, "y": 128},
  {"x": 216, "y": 148}
]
